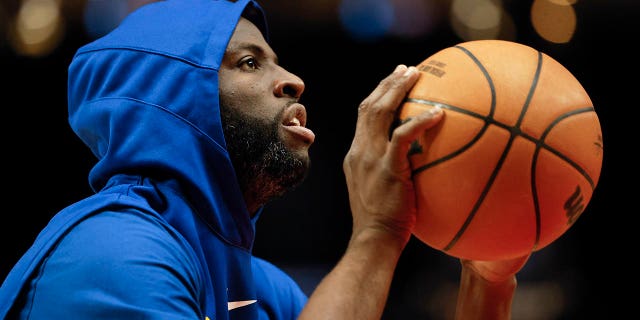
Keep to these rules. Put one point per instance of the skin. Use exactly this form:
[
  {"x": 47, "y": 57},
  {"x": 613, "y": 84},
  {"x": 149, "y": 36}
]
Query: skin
[
  {"x": 255, "y": 88},
  {"x": 487, "y": 288},
  {"x": 263, "y": 122}
]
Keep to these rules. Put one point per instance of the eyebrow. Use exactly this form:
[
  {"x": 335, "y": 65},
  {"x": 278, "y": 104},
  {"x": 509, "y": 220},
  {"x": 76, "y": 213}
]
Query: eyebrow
[{"x": 248, "y": 46}]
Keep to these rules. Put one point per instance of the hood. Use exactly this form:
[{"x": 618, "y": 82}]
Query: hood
[{"x": 144, "y": 99}]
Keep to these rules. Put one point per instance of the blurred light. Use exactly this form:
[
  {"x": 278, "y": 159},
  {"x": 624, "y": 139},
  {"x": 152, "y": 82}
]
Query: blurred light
[
  {"x": 564, "y": 2},
  {"x": 313, "y": 13},
  {"x": 481, "y": 19},
  {"x": 135, "y": 4},
  {"x": 366, "y": 19},
  {"x": 533, "y": 300},
  {"x": 539, "y": 300},
  {"x": 102, "y": 16},
  {"x": 38, "y": 27},
  {"x": 4, "y": 26},
  {"x": 414, "y": 18},
  {"x": 554, "y": 20}
]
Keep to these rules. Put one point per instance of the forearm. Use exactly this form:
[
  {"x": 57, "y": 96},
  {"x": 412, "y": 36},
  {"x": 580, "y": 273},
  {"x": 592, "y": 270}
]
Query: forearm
[
  {"x": 480, "y": 299},
  {"x": 358, "y": 287}
]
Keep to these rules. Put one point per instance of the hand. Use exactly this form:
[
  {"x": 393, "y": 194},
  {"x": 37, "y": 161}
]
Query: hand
[
  {"x": 487, "y": 288},
  {"x": 377, "y": 169},
  {"x": 496, "y": 271},
  {"x": 383, "y": 205}
]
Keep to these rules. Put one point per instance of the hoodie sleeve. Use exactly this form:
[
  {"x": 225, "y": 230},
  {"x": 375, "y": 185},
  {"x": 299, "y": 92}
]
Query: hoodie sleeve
[
  {"x": 118, "y": 265},
  {"x": 279, "y": 295}
]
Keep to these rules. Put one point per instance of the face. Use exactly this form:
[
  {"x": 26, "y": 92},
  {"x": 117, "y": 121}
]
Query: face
[{"x": 263, "y": 123}]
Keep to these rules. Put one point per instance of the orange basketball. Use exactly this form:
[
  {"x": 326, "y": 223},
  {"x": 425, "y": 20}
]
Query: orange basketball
[{"x": 516, "y": 158}]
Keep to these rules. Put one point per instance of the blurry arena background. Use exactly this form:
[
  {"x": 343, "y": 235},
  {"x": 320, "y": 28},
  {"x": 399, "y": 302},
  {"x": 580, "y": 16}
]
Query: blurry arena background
[{"x": 342, "y": 48}]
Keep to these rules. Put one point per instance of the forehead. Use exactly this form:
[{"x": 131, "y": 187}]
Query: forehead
[{"x": 246, "y": 33}]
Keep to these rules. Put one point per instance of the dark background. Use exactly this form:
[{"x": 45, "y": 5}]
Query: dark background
[{"x": 586, "y": 272}]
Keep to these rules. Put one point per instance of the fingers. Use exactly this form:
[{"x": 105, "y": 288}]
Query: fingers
[
  {"x": 409, "y": 131},
  {"x": 496, "y": 271},
  {"x": 377, "y": 112}
]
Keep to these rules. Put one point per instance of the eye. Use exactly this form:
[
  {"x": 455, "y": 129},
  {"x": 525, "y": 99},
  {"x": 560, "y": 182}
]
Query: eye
[{"x": 249, "y": 63}]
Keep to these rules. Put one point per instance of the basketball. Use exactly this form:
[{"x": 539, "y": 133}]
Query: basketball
[{"x": 516, "y": 158}]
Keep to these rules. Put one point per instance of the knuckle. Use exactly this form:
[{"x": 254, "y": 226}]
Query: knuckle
[
  {"x": 401, "y": 134},
  {"x": 364, "y": 104},
  {"x": 350, "y": 157}
]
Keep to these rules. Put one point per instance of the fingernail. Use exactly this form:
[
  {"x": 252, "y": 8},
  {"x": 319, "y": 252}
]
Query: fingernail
[
  {"x": 410, "y": 70},
  {"x": 435, "y": 110}
]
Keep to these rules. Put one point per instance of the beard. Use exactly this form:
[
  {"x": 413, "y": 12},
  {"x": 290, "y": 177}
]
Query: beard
[{"x": 266, "y": 169}]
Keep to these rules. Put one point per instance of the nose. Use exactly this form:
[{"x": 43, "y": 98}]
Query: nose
[{"x": 289, "y": 85}]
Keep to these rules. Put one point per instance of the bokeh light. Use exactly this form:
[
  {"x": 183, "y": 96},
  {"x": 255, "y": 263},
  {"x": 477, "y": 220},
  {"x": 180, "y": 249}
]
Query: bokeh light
[
  {"x": 366, "y": 19},
  {"x": 554, "y": 20},
  {"x": 101, "y": 16},
  {"x": 38, "y": 28},
  {"x": 415, "y": 18},
  {"x": 38, "y": 37},
  {"x": 563, "y": 2},
  {"x": 373, "y": 20},
  {"x": 481, "y": 19},
  {"x": 4, "y": 26}
]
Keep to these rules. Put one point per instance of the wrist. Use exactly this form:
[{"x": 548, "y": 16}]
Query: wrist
[
  {"x": 487, "y": 275},
  {"x": 481, "y": 298},
  {"x": 380, "y": 243}
]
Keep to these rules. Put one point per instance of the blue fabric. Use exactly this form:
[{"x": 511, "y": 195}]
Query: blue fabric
[{"x": 167, "y": 234}]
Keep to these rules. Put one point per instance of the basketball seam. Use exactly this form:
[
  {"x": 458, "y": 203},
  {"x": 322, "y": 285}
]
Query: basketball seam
[{"x": 515, "y": 131}]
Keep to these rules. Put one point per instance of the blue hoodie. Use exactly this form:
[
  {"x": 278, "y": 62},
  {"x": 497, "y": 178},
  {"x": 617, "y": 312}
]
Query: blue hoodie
[{"x": 167, "y": 234}]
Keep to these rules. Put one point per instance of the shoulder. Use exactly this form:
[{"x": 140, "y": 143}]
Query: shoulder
[
  {"x": 277, "y": 291},
  {"x": 125, "y": 261},
  {"x": 128, "y": 237},
  {"x": 264, "y": 268}
]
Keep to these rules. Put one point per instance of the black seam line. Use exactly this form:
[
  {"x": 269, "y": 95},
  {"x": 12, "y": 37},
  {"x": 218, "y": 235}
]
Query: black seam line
[
  {"x": 487, "y": 122},
  {"x": 495, "y": 171},
  {"x": 539, "y": 142},
  {"x": 534, "y": 161},
  {"x": 541, "y": 145},
  {"x": 514, "y": 131}
]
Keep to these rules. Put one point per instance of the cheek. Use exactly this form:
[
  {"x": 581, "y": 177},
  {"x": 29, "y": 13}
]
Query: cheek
[{"x": 250, "y": 98}]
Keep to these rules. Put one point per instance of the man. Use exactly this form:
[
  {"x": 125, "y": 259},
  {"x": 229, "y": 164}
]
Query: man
[{"x": 196, "y": 127}]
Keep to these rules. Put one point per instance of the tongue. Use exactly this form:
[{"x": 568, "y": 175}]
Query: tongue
[{"x": 303, "y": 132}]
